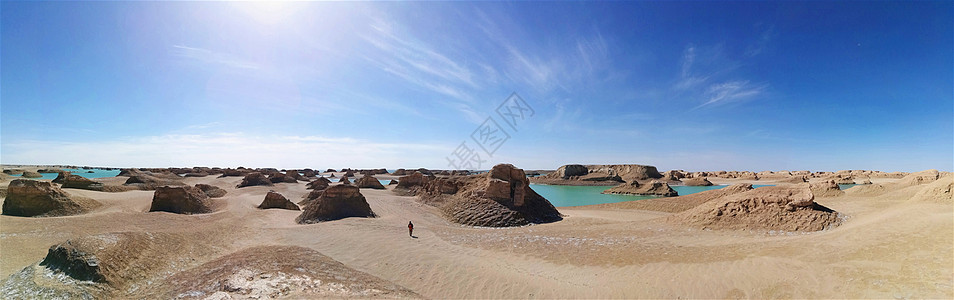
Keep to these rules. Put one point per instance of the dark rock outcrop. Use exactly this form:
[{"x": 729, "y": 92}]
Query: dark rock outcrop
[
  {"x": 68, "y": 180},
  {"x": 74, "y": 262},
  {"x": 409, "y": 181},
  {"x": 276, "y": 200},
  {"x": 31, "y": 198},
  {"x": 277, "y": 177},
  {"x": 147, "y": 180},
  {"x": 253, "y": 179},
  {"x": 181, "y": 200},
  {"x": 336, "y": 202},
  {"x": 368, "y": 181},
  {"x": 319, "y": 184}
]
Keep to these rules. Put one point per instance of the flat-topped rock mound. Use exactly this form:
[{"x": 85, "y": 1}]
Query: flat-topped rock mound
[
  {"x": 31, "y": 174},
  {"x": 784, "y": 208},
  {"x": 794, "y": 179},
  {"x": 336, "y": 202},
  {"x": 278, "y": 177},
  {"x": 277, "y": 272},
  {"x": 598, "y": 175},
  {"x": 182, "y": 200},
  {"x": 31, "y": 198},
  {"x": 275, "y": 200},
  {"x": 147, "y": 181},
  {"x": 69, "y": 181},
  {"x": 253, "y": 179},
  {"x": 499, "y": 198},
  {"x": 677, "y": 204},
  {"x": 415, "y": 179},
  {"x": 635, "y": 188},
  {"x": 701, "y": 181},
  {"x": 369, "y": 181}
]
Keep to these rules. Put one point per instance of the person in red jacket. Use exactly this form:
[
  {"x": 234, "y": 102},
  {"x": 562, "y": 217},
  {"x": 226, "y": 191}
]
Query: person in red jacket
[{"x": 410, "y": 228}]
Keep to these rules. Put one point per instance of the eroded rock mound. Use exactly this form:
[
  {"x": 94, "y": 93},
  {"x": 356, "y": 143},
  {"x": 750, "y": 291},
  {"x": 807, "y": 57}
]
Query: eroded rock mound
[
  {"x": 409, "y": 181},
  {"x": 181, "y": 200},
  {"x": 826, "y": 189},
  {"x": 277, "y": 177},
  {"x": 211, "y": 190},
  {"x": 909, "y": 180},
  {"x": 31, "y": 198},
  {"x": 31, "y": 174},
  {"x": 146, "y": 180},
  {"x": 785, "y": 208},
  {"x": 794, "y": 179},
  {"x": 598, "y": 175},
  {"x": 253, "y": 179},
  {"x": 368, "y": 181},
  {"x": 635, "y": 188},
  {"x": 334, "y": 203},
  {"x": 499, "y": 198},
  {"x": 939, "y": 191},
  {"x": 319, "y": 184},
  {"x": 276, "y": 200},
  {"x": 70, "y": 181},
  {"x": 701, "y": 181}
]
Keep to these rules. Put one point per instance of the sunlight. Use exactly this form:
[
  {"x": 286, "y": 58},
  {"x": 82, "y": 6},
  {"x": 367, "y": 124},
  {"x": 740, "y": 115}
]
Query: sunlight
[{"x": 267, "y": 12}]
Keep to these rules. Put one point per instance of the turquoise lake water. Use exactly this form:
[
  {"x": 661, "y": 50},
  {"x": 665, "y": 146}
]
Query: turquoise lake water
[
  {"x": 563, "y": 195},
  {"x": 97, "y": 173},
  {"x": 846, "y": 186}
]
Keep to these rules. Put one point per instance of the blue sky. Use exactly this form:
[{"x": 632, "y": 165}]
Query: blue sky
[{"x": 679, "y": 85}]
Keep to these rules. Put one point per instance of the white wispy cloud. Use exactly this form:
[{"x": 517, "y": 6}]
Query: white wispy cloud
[
  {"x": 543, "y": 67},
  {"x": 707, "y": 74},
  {"x": 732, "y": 91},
  {"x": 212, "y": 57},
  {"x": 412, "y": 59},
  {"x": 593, "y": 51}
]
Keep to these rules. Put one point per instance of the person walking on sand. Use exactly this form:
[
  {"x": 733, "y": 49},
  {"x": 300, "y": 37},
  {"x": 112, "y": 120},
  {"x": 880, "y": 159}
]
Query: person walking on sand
[{"x": 410, "y": 229}]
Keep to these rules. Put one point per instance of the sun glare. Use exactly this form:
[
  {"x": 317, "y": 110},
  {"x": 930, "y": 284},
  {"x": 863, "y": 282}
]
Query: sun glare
[{"x": 267, "y": 12}]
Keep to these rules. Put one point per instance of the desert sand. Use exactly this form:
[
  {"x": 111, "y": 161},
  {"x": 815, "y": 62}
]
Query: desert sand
[{"x": 891, "y": 244}]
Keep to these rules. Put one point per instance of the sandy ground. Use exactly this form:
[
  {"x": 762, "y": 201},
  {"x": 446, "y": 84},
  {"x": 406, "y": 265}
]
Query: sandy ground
[{"x": 888, "y": 247}]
